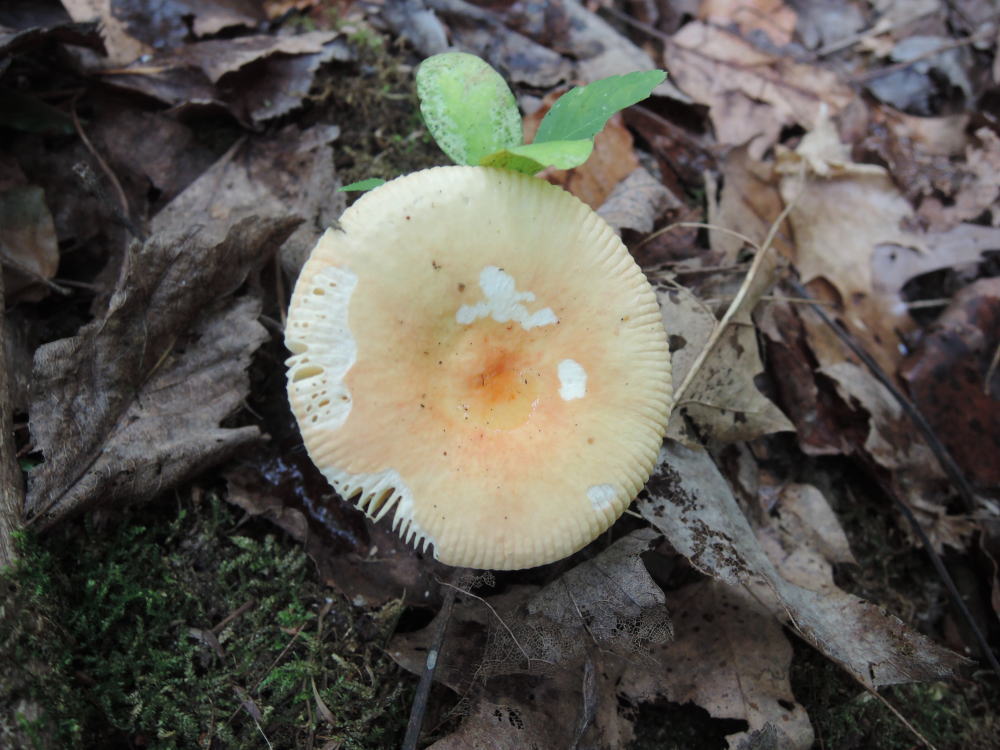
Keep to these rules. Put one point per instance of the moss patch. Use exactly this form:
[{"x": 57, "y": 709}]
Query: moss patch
[
  {"x": 374, "y": 102},
  {"x": 182, "y": 628}
]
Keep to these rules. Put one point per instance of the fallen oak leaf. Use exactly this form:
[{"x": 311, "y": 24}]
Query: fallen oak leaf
[{"x": 121, "y": 409}]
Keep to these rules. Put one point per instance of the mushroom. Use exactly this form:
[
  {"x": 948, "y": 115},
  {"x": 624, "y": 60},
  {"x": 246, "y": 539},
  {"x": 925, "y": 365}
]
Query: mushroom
[{"x": 475, "y": 351}]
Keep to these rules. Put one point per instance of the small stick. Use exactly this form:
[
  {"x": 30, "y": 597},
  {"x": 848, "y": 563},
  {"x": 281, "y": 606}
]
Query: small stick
[{"x": 419, "y": 707}]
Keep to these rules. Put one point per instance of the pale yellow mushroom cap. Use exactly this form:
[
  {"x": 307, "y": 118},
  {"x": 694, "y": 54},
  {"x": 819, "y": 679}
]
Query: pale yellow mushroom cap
[{"x": 475, "y": 352}]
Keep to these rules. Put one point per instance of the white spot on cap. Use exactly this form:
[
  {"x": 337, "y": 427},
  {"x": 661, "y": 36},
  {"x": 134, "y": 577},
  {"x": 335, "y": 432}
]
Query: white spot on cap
[
  {"x": 503, "y": 302},
  {"x": 601, "y": 496},
  {"x": 572, "y": 380}
]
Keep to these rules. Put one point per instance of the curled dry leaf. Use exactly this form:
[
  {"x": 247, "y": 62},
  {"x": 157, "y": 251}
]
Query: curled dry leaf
[
  {"x": 257, "y": 78},
  {"x": 691, "y": 503},
  {"x": 112, "y": 406},
  {"x": 121, "y": 47},
  {"x": 729, "y": 656},
  {"x": 751, "y": 94},
  {"x": 813, "y": 409}
]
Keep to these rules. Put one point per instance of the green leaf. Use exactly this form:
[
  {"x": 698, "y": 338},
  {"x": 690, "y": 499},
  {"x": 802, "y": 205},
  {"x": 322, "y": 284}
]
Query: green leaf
[
  {"x": 362, "y": 185},
  {"x": 585, "y": 110},
  {"x": 536, "y": 156},
  {"x": 467, "y": 106}
]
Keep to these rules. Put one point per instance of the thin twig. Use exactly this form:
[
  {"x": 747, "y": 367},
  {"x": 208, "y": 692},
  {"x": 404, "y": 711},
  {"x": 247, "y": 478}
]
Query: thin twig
[
  {"x": 903, "y": 65},
  {"x": 898, "y": 715},
  {"x": 419, "y": 707},
  {"x": 7, "y": 259},
  {"x": 122, "y": 200},
  {"x": 951, "y": 469},
  {"x": 991, "y": 370}
]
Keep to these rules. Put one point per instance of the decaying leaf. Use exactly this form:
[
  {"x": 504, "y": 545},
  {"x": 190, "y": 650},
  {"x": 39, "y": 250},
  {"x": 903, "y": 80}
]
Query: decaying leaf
[
  {"x": 29, "y": 251},
  {"x": 717, "y": 396},
  {"x": 916, "y": 476},
  {"x": 288, "y": 173},
  {"x": 637, "y": 202},
  {"x": 112, "y": 409},
  {"x": 521, "y": 657},
  {"x": 691, "y": 503},
  {"x": 751, "y": 94},
  {"x": 841, "y": 211},
  {"x": 770, "y": 17},
  {"x": 810, "y": 407},
  {"x": 729, "y": 656},
  {"x": 688, "y": 321},
  {"x": 257, "y": 78},
  {"x": 955, "y": 384},
  {"x": 608, "y": 603},
  {"x": 748, "y": 205},
  {"x": 978, "y": 191}
]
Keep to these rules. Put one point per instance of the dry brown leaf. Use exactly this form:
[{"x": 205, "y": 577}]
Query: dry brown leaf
[
  {"x": 608, "y": 603},
  {"x": 947, "y": 378},
  {"x": 731, "y": 657},
  {"x": 894, "y": 443},
  {"x": 749, "y": 205},
  {"x": 770, "y": 17},
  {"x": 173, "y": 20},
  {"x": 288, "y": 173},
  {"x": 121, "y": 47},
  {"x": 692, "y": 504},
  {"x": 689, "y": 323},
  {"x": 811, "y": 408},
  {"x": 841, "y": 211},
  {"x": 717, "y": 397},
  {"x": 978, "y": 191},
  {"x": 113, "y": 410},
  {"x": 522, "y": 661},
  {"x": 751, "y": 95},
  {"x": 637, "y": 202},
  {"x": 29, "y": 250}
]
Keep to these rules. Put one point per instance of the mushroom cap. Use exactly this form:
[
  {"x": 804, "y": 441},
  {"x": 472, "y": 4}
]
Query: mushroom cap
[{"x": 475, "y": 350}]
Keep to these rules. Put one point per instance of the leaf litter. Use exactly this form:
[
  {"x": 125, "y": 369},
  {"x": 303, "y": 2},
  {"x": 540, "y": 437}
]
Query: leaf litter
[{"x": 871, "y": 206}]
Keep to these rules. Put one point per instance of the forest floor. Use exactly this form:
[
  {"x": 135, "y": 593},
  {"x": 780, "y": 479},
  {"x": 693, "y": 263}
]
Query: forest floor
[{"x": 181, "y": 574}]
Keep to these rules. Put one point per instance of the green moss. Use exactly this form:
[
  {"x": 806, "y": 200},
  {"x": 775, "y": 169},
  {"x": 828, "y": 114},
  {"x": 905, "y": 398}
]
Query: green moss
[
  {"x": 115, "y": 637},
  {"x": 374, "y": 101},
  {"x": 951, "y": 715}
]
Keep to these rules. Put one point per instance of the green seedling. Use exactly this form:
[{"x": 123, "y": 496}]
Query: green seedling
[{"x": 472, "y": 114}]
